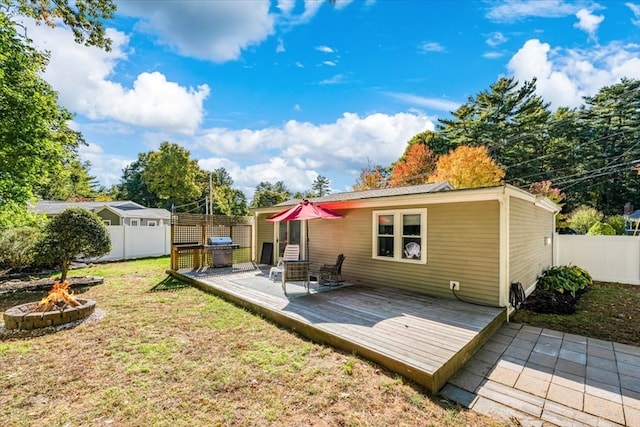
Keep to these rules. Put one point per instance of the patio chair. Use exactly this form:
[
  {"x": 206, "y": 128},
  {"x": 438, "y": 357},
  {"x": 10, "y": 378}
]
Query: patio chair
[
  {"x": 412, "y": 250},
  {"x": 291, "y": 253},
  {"x": 332, "y": 272},
  {"x": 295, "y": 271}
]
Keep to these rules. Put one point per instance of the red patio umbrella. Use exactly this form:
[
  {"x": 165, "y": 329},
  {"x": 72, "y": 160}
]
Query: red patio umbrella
[{"x": 305, "y": 210}]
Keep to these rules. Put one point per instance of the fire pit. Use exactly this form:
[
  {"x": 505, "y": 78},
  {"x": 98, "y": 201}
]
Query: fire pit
[{"x": 57, "y": 308}]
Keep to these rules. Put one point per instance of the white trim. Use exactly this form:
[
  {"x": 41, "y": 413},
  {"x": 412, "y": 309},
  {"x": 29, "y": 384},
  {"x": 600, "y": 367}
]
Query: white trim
[
  {"x": 503, "y": 274},
  {"x": 106, "y": 221},
  {"x": 398, "y": 246},
  {"x": 152, "y": 223},
  {"x": 134, "y": 220}
]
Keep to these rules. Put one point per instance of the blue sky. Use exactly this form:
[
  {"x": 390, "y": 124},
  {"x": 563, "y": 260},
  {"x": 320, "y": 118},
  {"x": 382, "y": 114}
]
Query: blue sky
[{"x": 289, "y": 90}]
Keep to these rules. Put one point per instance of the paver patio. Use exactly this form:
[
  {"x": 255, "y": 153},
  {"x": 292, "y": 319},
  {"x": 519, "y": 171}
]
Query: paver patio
[{"x": 542, "y": 377}]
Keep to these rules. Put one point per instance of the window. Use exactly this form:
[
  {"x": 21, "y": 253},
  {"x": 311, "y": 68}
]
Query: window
[
  {"x": 135, "y": 222},
  {"x": 400, "y": 235},
  {"x": 106, "y": 221},
  {"x": 151, "y": 223}
]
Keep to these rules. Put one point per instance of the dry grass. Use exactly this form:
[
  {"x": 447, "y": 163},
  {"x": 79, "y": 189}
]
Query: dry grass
[{"x": 185, "y": 358}]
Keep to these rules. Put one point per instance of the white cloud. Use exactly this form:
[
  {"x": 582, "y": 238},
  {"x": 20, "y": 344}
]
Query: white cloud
[
  {"x": 588, "y": 22},
  {"x": 286, "y": 6},
  {"x": 304, "y": 150},
  {"x": 431, "y": 47},
  {"x": 564, "y": 77},
  {"x": 635, "y": 9},
  {"x": 335, "y": 80},
  {"x": 433, "y": 103},
  {"x": 81, "y": 75},
  {"x": 106, "y": 168},
  {"x": 492, "y": 55},
  {"x": 280, "y": 47},
  {"x": 212, "y": 30},
  {"x": 509, "y": 11},
  {"x": 330, "y": 63},
  {"x": 325, "y": 49},
  {"x": 496, "y": 39}
]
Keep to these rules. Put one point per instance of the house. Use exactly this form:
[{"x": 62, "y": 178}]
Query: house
[
  {"x": 480, "y": 239},
  {"x": 632, "y": 222},
  {"x": 112, "y": 212}
]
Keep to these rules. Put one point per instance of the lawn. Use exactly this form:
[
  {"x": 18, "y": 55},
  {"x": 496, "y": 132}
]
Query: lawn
[
  {"x": 608, "y": 311},
  {"x": 185, "y": 358}
]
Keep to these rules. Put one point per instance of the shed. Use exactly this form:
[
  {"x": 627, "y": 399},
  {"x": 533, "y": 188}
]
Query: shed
[{"x": 483, "y": 239}]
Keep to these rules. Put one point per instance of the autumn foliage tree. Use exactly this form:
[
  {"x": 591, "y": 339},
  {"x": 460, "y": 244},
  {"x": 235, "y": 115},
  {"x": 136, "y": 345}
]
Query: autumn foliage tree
[
  {"x": 371, "y": 178},
  {"x": 414, "y": 167},
  {"x": 467, "y": 167}
]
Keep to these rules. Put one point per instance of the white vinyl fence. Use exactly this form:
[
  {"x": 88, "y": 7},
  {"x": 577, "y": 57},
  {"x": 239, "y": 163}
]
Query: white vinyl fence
[
  {"x": 606, "y": 258},
  {"x": 129, "y": 242}
]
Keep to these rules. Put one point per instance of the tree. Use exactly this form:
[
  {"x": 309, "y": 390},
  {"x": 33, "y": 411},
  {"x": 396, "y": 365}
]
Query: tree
[
  {"x": 133, "y": 187},
  {"x": 601, "y": 229},
  {"x": 170, "y": 174},
  {"x": 229, "y": 201},
  {"x": 414, "y": 167},
  {"x": 467, "y": 167},
  {"x": 371, "y": 178},
  {"x": 510, "y": 120},
  {"x": 321, "y": 186},
  {"x": 608, "y": 148},
  {"x": 71, "y": 182},
  {"x": 74, "y": 232},
  {"x": 583, "y": 218},
  {"x": 545, "y": 188},
  {"x": 268, "y": 194},
  {"x": 84, "y": 17},
  {"x": 35, "y": 139}
]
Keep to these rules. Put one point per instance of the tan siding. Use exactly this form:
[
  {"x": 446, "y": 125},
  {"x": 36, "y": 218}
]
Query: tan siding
[
  {"x": 462, "y": 245},
  {"x": 528, "y": 254},
  {"x": 264, "y": 230},
  {"x": 108, "y": 215}
]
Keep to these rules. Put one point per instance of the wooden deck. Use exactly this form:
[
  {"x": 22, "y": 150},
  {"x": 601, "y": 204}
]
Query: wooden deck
[{"x": 424, "y": 338}]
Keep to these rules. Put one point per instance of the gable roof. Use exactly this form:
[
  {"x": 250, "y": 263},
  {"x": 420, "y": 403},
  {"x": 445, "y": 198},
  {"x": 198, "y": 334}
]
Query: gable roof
[
  {"x": 54, "y": 207},
  {"x": 147, "y": 213},
  {"x": 376, "y": 193},
  {"x": 122, "y": 208}
]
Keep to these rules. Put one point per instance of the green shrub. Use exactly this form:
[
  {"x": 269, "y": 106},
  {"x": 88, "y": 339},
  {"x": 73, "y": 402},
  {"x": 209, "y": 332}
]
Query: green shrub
[
  {"x": 17, "y": 246},
  {"x": 73, "y": 233},
  {"x": 601, "y": 229},
  {"x": 568, "y": 278},
  {"x": 617, "y": 222},
  {"x": 583, "y": 218}
]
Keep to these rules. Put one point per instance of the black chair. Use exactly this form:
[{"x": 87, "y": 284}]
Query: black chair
[{"x": 332, "y": 273}]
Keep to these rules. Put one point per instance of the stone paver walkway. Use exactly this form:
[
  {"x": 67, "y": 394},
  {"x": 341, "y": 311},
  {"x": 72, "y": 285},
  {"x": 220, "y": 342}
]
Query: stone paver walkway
[{"x": 539, "y": 377}]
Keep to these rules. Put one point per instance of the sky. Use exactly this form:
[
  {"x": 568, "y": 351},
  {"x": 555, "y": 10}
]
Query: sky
[{"x": 288, "y": 90}]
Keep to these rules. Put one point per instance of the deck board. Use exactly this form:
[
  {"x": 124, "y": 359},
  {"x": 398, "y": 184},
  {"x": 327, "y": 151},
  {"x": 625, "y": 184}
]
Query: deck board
[{"x": 423, "y": 337}]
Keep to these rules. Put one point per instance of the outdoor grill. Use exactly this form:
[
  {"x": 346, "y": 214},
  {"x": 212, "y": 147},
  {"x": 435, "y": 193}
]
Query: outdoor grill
[{"x": 221, "y": 251}]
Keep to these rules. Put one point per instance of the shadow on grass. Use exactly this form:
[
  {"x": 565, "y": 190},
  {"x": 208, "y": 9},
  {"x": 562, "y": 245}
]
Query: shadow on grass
[{"x": 169, "y": 283}]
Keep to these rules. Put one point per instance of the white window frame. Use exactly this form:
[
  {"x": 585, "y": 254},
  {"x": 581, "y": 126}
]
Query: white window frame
[
  {"x": 106, "y": 221},
  {"x": 134, "y": 222},
  {"x": 398, "y": 247},
  {"x": 152, "y": 223}
]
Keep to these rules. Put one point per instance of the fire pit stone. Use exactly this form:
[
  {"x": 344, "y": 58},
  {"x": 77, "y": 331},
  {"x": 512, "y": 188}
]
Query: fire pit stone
[{"x": 23, "y": 317}]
